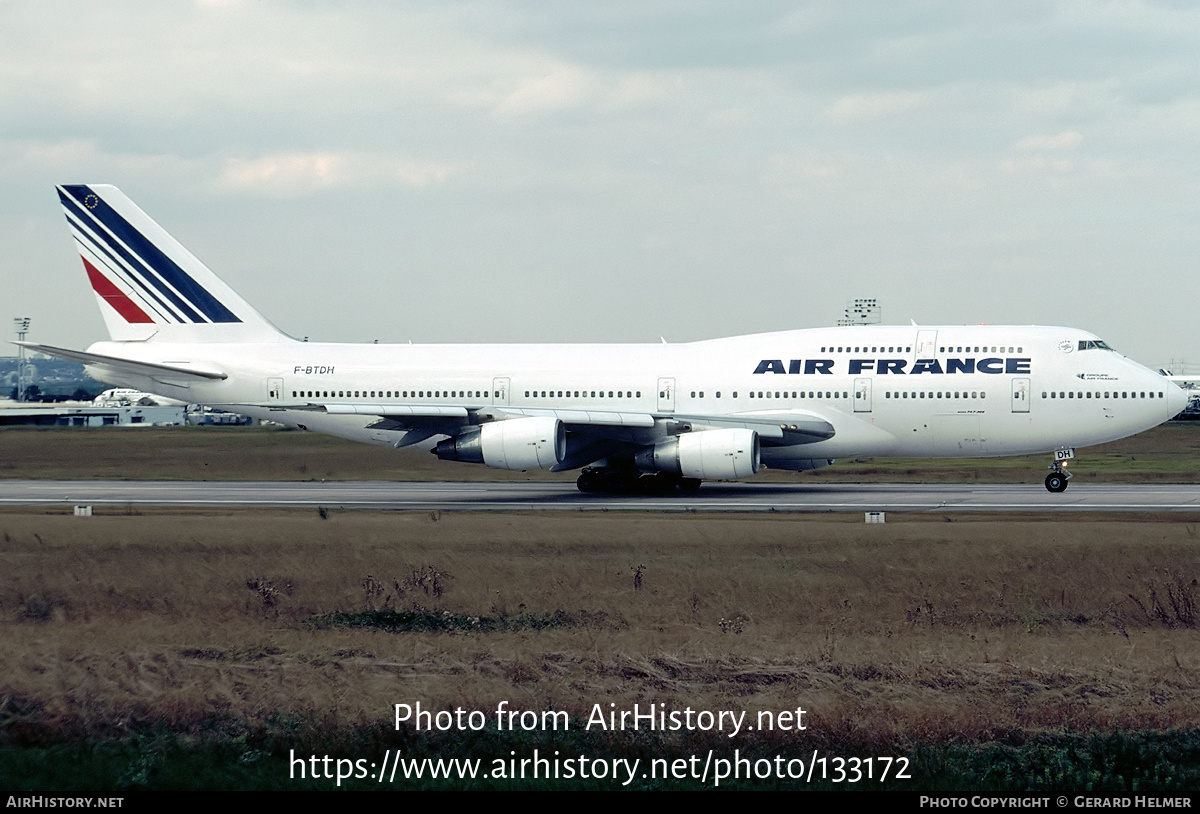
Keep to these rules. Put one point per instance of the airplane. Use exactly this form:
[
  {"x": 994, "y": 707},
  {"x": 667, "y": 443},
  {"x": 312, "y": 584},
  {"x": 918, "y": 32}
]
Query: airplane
[{"x": 634, "y": 418}]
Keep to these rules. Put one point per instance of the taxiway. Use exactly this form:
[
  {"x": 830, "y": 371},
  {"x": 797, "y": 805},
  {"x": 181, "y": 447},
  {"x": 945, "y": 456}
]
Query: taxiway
[{"x": 714, "y": 497}]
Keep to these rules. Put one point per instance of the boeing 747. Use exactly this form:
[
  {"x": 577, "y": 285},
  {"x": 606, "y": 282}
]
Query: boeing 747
[{"x": 633, "y": 417}]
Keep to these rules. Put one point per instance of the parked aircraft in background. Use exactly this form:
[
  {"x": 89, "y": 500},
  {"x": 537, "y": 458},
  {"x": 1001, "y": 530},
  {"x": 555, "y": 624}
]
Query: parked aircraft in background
[{"x": 653, "y": 417}]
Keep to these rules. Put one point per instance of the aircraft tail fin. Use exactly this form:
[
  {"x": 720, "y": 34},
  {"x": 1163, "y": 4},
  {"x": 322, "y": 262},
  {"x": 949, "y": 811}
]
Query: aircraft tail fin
[{"x": 148, "y": 286}]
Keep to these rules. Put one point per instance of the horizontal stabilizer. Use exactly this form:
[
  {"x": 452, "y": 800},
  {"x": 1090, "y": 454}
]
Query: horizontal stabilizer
[{"x": 125, "y": 365}]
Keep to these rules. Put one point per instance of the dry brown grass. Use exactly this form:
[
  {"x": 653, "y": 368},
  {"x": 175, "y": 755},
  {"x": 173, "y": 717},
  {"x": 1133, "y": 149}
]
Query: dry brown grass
[
  {"x": 918, "y": 630},
  {"x": 1170, "y": 453}
]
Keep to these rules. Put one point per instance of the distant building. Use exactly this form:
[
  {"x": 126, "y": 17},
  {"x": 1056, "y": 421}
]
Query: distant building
[
  {"x": 50, "y": 379},
  {"x": 85, "y": 414}
]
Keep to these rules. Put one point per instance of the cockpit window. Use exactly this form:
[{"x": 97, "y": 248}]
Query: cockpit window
[{"x": 1093, "y": 344}]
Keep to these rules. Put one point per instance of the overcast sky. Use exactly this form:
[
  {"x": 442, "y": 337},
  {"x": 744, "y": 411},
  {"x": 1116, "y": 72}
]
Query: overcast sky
[{"x": 620, "y": 171}]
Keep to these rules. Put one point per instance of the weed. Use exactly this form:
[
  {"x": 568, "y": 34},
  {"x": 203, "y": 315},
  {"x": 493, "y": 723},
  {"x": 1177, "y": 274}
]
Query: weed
[
  {"x": 36, "y": 608},
  {"x": 638, "y": 572},
  {"x": 268, "y": 592},
  {"x": 1170, "y": 601},
  {"x": 828, "y": 646},
  {"x": 373, "y": 592},
  {"x": 427, "y": 620},
  {"x": 427, "y": 580},
  {"x": 734, "y": 625}
]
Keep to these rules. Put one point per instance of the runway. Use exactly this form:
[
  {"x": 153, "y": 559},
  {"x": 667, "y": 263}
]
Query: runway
[{"x": 716, "y": 497}]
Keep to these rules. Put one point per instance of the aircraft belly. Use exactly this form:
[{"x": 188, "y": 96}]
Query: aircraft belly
[{"x": 855, "y": 437}]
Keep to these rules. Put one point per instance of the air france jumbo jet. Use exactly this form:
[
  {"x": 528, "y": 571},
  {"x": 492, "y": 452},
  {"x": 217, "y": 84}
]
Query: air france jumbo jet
[{"x": 653, "y": 417}]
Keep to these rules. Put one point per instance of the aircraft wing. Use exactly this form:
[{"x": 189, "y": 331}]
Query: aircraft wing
[
  {"x": 418, "y": 422},
  {"x": 128, "y": 365},
  {"x": 583, "y": 418},
  {"x": 775, "y": 428}
]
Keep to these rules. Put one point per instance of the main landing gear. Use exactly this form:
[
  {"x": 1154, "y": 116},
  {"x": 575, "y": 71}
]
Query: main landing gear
[
  {"x": 632, "y": 482},
  {"x": 1056, "y": 481}
]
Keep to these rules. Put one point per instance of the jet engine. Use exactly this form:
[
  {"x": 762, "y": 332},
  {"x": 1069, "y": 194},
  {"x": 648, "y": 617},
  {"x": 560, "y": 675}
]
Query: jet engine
[
  {"x": 519, "y": 443},
  {"x": 708, "y": 455}
]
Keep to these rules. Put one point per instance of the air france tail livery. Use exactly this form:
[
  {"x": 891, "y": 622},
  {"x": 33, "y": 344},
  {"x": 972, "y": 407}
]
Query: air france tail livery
[{"x": 652, "y": 418}]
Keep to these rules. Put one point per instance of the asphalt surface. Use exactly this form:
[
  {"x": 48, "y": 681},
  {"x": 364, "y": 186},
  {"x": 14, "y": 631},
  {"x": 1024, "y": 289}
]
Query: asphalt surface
[{"x": 713, "y": 497}]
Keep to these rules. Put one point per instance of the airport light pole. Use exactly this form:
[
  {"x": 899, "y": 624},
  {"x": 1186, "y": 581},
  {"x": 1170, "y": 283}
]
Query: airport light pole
[{"x": 22, "y": 326}]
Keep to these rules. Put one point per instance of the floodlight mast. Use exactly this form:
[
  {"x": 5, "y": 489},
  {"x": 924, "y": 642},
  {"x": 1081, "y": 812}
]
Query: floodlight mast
[{"x": 22, "y": 327}]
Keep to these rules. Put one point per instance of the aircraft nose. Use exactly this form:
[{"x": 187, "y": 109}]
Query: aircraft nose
[{"x": 1177, "y": 399}]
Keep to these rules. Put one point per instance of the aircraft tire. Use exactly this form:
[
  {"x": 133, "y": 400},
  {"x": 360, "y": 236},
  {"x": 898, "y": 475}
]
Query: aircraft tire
[
  {"x": 588, "y": 482},
  {"x": 1056, "y": 482}
]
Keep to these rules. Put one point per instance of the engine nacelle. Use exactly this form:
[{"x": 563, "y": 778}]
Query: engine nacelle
[
  {"x": 708, "y": 455},
  {"x": 519, "y": 443}
]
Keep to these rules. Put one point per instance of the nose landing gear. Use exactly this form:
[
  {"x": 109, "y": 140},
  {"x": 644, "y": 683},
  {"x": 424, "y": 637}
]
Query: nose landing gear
[{"x": 1056, "y": 481}]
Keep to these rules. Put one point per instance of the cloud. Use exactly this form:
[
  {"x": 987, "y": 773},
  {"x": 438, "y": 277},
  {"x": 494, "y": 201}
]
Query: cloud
[
  {"x": 861, "y": 107},
  {"x": 1067, "y": 140},
  {"x": 561, "y": 88},
  {"x": 297, "y": 173},
  {"x": 78, "y": 160}
]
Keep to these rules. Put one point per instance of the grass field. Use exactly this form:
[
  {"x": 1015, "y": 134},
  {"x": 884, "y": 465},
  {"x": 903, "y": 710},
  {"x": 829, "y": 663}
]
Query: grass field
[
  {"x": 203, "y": 649},
  {"x": 1170, "y": 453},
  {"x": 198, "y": 649}
]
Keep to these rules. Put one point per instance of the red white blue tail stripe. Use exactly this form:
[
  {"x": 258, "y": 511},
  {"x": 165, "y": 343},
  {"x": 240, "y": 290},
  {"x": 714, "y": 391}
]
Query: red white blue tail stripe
[{"x": 132, "y": 274}]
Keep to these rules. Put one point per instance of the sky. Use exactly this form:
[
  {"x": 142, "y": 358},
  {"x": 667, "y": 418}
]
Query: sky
[{"x": 540, "y": 171}]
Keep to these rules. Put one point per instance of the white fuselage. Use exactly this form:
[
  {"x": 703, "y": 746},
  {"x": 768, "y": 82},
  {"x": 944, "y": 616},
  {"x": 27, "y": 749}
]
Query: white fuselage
[{"x": 946, "y": 391}]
